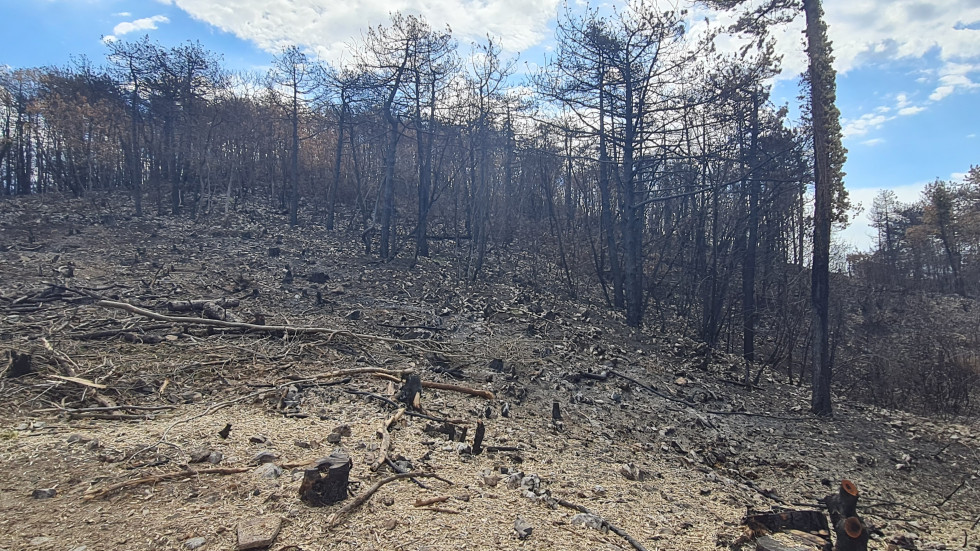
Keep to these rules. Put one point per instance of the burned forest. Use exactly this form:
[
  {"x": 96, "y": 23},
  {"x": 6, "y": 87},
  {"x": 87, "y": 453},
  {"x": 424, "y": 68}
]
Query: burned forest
[{"x": 422, "y": 301}]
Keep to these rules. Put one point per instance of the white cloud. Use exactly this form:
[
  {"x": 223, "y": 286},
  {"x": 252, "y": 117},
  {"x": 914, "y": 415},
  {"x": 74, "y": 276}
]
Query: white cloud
[
  {"x": 147, "y": 23},
  {"x": 956, "y": 76},
  {"x": 873, "y": 142},
  {"x": 878, "y": 116},
  {"x": 864, "y": 124},
  {"x": 327, "y": 28},
  {"x": 123, "y": 14},
  {"x": 869, "y": 32}
]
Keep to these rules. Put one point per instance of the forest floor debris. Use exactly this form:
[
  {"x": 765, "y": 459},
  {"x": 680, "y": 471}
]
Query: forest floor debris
[{"x": 143, "y": 432}]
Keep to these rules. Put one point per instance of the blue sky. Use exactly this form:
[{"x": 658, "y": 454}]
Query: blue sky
[{"x": 908, "y": 83}]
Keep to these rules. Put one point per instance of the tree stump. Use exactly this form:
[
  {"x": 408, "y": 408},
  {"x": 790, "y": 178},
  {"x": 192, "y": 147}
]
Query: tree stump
[
  {"x": 411, "y": 392},
  {"x": 326, "y": 482},
  {"x": 844, "y": 504},
  {"x": 18, "y": 365},
  {"x": 852, "y": 535}
]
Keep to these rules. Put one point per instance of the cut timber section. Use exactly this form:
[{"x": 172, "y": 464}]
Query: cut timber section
[{"x": 769, "y": 543}]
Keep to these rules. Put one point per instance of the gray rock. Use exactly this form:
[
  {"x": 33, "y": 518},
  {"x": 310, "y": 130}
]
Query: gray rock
[
  {"x": 587, "y": 520},
  {"x": 258, "y": 533},
  {"x": 522, "y": 528},
  {"x": 268, "y": 470},
  {"x": 44, "y": 493},
  {"x": 199, "y": 455},
  {"x": 333, "y": 438},
  {"x": 195, "y": 543},
  {"x": 264, "y": 456}
]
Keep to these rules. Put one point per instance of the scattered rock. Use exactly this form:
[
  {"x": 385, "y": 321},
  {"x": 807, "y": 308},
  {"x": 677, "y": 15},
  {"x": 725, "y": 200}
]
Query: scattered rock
[
  {"x": 258, "y": 533},
  {"x": 491, "y": 480},
  {"x": 631, "y": 472},
  {"x": 260, "y": 439},
  {"x": 589, "y": 521},
  {"x": 302, "y": 444},
  {"x": 353, "y": 315},
  {"x": 199, "y": 455},
  {"x": 264, "y": 456},
  {"x": 343, "y": 430},
  {"x": 333, "y": 438},
  {"x": 268, "y": 470},
  {"x": 195, "y": 543},
  {"x": 191, "y": 396},
  {"x": 44, "y": 493},
  {"x": 522, "y": 528}
]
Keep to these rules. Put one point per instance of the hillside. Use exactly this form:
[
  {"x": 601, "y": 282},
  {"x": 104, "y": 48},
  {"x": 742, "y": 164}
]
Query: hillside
[{"x": 675, "y": 463}]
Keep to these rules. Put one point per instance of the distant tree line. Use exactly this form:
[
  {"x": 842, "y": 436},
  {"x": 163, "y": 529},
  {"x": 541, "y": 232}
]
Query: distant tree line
[{"x": 638, "y": 161}]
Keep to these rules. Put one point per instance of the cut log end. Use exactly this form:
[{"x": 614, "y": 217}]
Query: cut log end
[
  {"x": 853, "y": 528},
  {"x": 849, "y": 487}
]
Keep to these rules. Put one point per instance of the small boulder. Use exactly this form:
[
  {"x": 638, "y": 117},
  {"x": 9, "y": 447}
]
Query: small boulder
[{"x": 258, "y": 533}]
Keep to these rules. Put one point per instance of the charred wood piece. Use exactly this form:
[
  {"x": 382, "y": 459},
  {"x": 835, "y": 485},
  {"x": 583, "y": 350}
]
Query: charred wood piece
[
  {"x": 327, "y": 481},
  {"x": 411, "y": 392}
]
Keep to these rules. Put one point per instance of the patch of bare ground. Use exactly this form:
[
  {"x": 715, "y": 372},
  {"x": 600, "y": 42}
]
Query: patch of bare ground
[{"x": 115, "y": 395}]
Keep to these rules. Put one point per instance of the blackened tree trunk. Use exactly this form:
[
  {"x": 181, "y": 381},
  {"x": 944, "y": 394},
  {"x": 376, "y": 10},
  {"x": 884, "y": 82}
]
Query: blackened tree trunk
[
  {"x": 822, "y": 97},
  {"x": 751, "y": 245}
]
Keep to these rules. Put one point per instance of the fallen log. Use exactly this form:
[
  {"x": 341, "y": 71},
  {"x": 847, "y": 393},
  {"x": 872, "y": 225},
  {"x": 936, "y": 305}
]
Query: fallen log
[{"x": 275, "y": 329}]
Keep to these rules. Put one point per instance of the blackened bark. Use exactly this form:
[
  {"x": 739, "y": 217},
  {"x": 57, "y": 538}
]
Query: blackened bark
[{"x": 822, "y": 215}]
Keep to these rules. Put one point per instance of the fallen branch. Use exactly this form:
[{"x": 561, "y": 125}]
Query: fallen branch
[
  {"x": 457, "y": 388},
  {"x": 277, "y": 329},
  {"x": 90, "y": 494},
  {"x": 703, "y": 421},
  {"x": 441, "y": 510},
  {"x": 338, "y": 517},
  {"x": 430, "y": 501},
  {"x": 395, "y": 405},
  {"x": 612, "y": 528},
  {"x": 386, "y": 439},
  {"x": 402, "y": 470},
  {"x": 446, "y": 386},
  {"x": 106, "y": 409},
  {"x": 79, "y": 381}
]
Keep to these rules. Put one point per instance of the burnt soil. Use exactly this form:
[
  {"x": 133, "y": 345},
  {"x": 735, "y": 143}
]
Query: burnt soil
[{"x": 699, "y": 449}]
